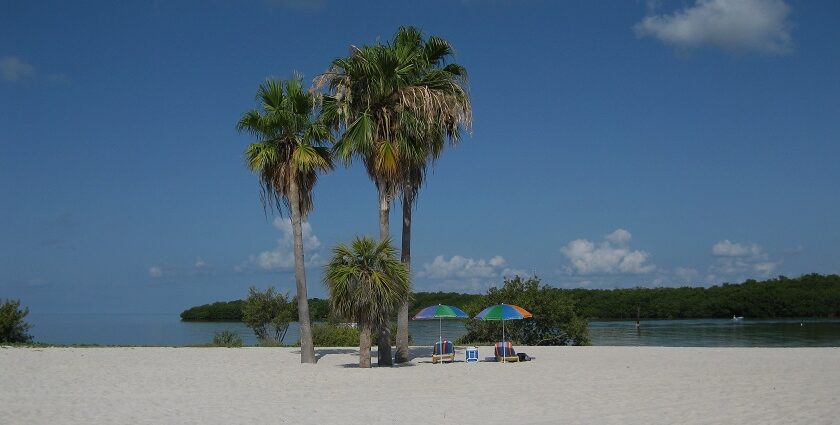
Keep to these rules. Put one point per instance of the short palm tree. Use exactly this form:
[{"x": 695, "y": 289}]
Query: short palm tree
[
  {"x": 287, "y": 158},
  {"x": 366, "y": 281},
  {"x": 387, "y": 98}
]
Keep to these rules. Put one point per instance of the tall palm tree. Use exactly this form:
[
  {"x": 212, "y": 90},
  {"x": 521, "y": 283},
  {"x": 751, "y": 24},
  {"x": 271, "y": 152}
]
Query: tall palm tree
[
  {"x": 287, "y": 158},
  {"x": 365, "y": 281},
  {"x": 385, "y": 98},
  {"x": 428, "y": 141}
]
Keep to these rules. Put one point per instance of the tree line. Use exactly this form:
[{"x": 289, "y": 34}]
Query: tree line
[
  {"x": 319, "y": 308},
  {"x": 810, "y": 295}
]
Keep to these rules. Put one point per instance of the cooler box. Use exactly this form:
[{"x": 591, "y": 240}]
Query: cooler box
[{"x": 471, "y": 354}]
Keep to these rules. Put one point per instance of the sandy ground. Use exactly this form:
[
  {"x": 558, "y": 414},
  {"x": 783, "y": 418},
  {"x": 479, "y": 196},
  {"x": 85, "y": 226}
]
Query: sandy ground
[{"x": 597, "y": 385}]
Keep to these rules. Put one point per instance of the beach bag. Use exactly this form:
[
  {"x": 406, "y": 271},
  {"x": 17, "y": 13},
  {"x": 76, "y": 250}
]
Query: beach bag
[{"x": 524, "y": 357}]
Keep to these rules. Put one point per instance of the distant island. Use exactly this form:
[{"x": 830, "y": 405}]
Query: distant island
[{"x": 810, "y": 295}]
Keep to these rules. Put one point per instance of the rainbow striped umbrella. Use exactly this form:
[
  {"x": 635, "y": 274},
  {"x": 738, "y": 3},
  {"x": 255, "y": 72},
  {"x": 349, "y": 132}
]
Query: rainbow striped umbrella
[
  {"x": 440, "y": 312},
  {"x": 503, "y": 312}
]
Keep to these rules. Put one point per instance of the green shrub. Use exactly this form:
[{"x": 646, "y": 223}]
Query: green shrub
[
  {"x": 267, "y": 313},
  {"x": 335, "y": 335},
  {"x": 268, "y": 343},
  {"x": 555, "y": 320},
  {"x": 13, "y": 329},
  {"x": 227, "y": 338}
]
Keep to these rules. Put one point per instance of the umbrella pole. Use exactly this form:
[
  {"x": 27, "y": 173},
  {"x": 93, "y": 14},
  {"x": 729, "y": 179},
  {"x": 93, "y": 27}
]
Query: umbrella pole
[
  {"x": 504, "y": 344},
  {"x": 440, "y": 337}
]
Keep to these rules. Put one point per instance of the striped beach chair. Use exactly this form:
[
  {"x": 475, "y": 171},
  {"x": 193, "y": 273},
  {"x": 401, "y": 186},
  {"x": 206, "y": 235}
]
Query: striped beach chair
[
  {"x": 505, "y": 353},
  {"x": 445, "y": 353}
]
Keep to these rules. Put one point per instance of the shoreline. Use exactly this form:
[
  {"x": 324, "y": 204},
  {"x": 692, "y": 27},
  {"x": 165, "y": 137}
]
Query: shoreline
[{"x": 563, "y": 384}]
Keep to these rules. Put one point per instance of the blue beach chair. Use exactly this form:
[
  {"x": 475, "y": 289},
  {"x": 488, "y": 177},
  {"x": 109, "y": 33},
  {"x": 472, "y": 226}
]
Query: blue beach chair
[
  {"x": 445, "y": 353},
  {"x": 505, "y": 353}
]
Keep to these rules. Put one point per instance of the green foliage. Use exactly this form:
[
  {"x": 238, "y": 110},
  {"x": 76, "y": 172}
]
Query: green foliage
[
  {"x": 319, "y": 309},
  {"x": 289, "y": 153},
  {"x": 13, "y": 328},
  {"x": 554, "y": 323},
  {"x": 227, "y": 338},
  {"x": 267, "y": 311},
  {"x": 335, "y": 335},
  {"x": 343, "y": 335},
  {"x": 810, "y": 295},
  {"x": 221, "y": 311},
  {"x": 269, "y": 343},
  {"x": 366, "y": 280}
]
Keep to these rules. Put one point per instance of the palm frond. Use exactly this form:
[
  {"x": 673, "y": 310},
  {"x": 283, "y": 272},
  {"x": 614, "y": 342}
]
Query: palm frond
[
  {"x": 365, "y": 280},
  {"x": 291, "y": 142}
]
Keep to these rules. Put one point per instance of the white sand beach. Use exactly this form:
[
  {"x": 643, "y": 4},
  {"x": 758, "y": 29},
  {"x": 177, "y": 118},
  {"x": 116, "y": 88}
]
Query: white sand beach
[{"x": 597, "y": 385}]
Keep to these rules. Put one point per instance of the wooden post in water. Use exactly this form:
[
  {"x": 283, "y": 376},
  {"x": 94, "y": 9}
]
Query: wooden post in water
[{"x": 638, "y": 323}]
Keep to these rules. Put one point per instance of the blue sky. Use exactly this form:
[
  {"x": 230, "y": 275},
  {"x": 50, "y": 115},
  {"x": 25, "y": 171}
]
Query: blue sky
[{"x": 614, "y": 144}]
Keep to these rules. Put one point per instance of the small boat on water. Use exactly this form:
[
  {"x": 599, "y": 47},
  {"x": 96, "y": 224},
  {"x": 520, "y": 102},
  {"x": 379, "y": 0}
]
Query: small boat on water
[{"x": 737, "y": 317}]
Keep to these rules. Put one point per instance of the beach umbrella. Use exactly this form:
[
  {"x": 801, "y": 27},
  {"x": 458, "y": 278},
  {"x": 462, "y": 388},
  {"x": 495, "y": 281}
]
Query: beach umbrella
[
  {"x": 440, "y": 312},
  {"x": 503, "y": 312}
]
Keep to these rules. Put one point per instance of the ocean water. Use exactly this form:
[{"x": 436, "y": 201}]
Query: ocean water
[{"x": 169, "y": 330}]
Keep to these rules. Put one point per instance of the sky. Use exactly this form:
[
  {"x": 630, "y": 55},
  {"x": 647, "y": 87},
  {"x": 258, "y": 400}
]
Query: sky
[{"x": 614, "y": 144}]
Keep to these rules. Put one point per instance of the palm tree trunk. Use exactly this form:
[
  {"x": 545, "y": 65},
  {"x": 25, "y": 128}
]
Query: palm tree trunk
[
  {"x": 402, "y": 316},
  {"x": 384, "y": 347},
  {"x": 364, "y": 344},
  {"x": 307, "y": 351},
  {"x": 384, "y": 214}
]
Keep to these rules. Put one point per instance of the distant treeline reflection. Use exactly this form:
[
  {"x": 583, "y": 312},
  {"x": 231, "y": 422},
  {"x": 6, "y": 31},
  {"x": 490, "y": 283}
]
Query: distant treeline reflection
[{"x": 811, "y": 295}]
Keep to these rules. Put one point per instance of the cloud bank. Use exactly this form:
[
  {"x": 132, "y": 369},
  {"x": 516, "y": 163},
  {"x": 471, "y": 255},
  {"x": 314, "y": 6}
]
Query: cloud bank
[
  {"x": 611, "y": 256},
  {"x": 735, "y": 25},
  {"x": 459, "y": 272},
  {"x": 740, "y": 260}
]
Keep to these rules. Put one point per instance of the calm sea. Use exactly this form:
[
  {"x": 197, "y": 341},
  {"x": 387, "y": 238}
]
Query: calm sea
[{"x": 169, "y": 330}]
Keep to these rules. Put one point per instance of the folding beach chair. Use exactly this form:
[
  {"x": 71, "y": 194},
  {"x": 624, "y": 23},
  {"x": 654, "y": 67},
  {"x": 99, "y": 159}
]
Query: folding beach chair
[
  {"x": 505, "y": 353},
  {"x": 445, "y": 353}
]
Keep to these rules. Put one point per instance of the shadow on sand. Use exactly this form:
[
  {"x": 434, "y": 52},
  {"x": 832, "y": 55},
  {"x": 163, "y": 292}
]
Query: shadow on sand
[{"x": 417, "y": 355}]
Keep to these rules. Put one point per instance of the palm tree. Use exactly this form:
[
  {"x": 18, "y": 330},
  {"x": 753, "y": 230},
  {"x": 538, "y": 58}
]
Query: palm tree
[
  {"x": 365, "y": 281},
  {"x": 428, "y": 143},
  {"x": 287, "y": 159},
  {"x": 388, "y": 98}
]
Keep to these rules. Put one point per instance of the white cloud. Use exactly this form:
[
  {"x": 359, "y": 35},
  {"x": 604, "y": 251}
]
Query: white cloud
[
  {"x": 740, "y": 260},
  {"x": 467, "y": 274},
  {"x": 725, "y": 248},
  {"x": 620, "y": 236},
  {"x": 686, "y": 274},
  {"x": 13, "y": 69},
  {"x": 37, "y": 282},
  {"x": 612, "y": 256},
  {"x": 765, "y": 268},
  {"x": 283, "y": 256},
  {"x": 736, "y": 25},
  {"x": 155, "y": 272},
  {"x": 200, "y": 264},
  {"x": 462, "y": 267}
]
